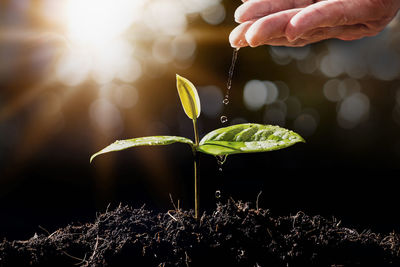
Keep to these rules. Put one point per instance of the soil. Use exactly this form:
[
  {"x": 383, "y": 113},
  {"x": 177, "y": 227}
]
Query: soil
[{"x": 234, "y": 234}]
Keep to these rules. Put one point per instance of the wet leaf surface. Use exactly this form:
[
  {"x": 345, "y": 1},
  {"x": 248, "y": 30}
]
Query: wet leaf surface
[
  {"x": 247, "y": 138},
  {"x": 142, "y": 141}
]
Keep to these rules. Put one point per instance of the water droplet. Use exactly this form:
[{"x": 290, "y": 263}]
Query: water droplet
[
  {"x": 232, "y": 68},
  {"x": 224, "y": 119},
  {"x": 221, "y": 159},
  {"x": 218, "y": 194}
]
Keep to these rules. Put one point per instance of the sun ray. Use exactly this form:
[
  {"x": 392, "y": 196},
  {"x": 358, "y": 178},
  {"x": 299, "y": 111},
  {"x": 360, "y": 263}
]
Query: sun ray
[{"x": 21, "y": 101}]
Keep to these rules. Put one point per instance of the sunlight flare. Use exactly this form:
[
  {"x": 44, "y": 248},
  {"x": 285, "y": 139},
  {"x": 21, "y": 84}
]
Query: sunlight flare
[{"x": 98, "y": 44}]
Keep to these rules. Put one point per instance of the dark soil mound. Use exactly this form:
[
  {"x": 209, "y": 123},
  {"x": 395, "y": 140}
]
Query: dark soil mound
[{"x": 233, "y": 235}]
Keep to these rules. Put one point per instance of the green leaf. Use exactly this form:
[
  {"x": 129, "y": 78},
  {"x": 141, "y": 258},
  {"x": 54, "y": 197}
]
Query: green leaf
[
  {"x": 143, "y": 141},
  {"x": 189, "y": 98},
  {"x": 247, "y": 138}
]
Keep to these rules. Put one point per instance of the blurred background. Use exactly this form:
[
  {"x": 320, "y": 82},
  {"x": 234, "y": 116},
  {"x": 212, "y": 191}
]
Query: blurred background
[{"x": 77, "y": 75}]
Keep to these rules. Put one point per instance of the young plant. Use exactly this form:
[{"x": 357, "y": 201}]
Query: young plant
[{"x": 236, "y": 139}]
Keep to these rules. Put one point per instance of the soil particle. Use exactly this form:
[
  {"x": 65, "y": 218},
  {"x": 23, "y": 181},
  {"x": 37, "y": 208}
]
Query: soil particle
[{"x": 234, "y": 234}]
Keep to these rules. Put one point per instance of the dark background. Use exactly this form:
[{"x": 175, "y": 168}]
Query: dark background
[{"x": 46, "y": 181}]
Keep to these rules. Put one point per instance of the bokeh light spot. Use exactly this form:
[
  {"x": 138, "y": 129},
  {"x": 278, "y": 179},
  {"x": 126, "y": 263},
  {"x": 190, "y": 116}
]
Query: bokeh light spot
[
  {"x": 274, "y": 116},
  {"x": 162, "y": 50},
  {"x": 331, "y": 90},
  {"x": 214, "y": 14},
  {"x": 255, "y": 94},
  {"x": 353, "y": 110},
  {"x": 183, "y": 47},
  {"x": 272, "y": 92},
  {"x": 105, "y": 116},
  {"x": 305, "y": 125},
  {"x": 330, "y": 66},
  {"x": 125, "y": 96}
]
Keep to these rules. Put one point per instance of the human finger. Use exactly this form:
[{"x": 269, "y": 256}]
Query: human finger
[
  {"x": 269, "y": 27},
  {"x": 316, "y": 35},
  {"x": 344, "y": 32},
  {"x": 255, "y": 9},
  {"x": 327, "y": 14},
  {"x": 237, "y": 36},
  {"x": 283, "y": 41}
]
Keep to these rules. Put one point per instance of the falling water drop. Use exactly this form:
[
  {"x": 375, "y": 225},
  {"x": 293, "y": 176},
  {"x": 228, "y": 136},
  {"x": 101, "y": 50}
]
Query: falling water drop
[
  {"x": 232, "y": 68},
  {"x": 217, "y": 194},
  {"x": 224, "y": 119},
  {"x": 221, "y": 160}
]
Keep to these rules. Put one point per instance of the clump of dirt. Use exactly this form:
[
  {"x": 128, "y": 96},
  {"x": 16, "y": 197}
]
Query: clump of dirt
[{"x": 234, "y": 234}]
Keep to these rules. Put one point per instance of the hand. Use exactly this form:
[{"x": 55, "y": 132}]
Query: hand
[{"x": 301, "y": 22}]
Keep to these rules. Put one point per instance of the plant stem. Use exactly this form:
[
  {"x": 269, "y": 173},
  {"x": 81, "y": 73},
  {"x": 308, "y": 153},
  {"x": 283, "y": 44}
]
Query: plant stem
[
  {"x": 196, "y": 187},
  {"x": 196, "y": 133},
  {"x": 196, "y": 173}
]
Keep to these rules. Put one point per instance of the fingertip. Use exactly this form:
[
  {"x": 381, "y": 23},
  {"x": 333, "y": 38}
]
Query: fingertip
[
  {"x": 290, "y": 32},
  {"x": 251, "y": 10},
  {"x": 294, "y": 29},
  {"x": 320, "y": 14},
  {"x": 240, "y": 13},
  {"x": 233, "y": 40},
  {"x": 269, "y": 27},
  {"x": 237, "y": 15},
  {"x": 237, "y": 36},
  {"x": 251, "y": 36}
]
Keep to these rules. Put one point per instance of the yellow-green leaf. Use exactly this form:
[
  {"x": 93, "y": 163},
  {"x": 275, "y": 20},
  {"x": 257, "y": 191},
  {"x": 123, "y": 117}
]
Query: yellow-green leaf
[{"x": 189, "y": 98}]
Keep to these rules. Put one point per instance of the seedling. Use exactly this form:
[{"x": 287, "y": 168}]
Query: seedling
[{"x": 236, "y": 139}]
